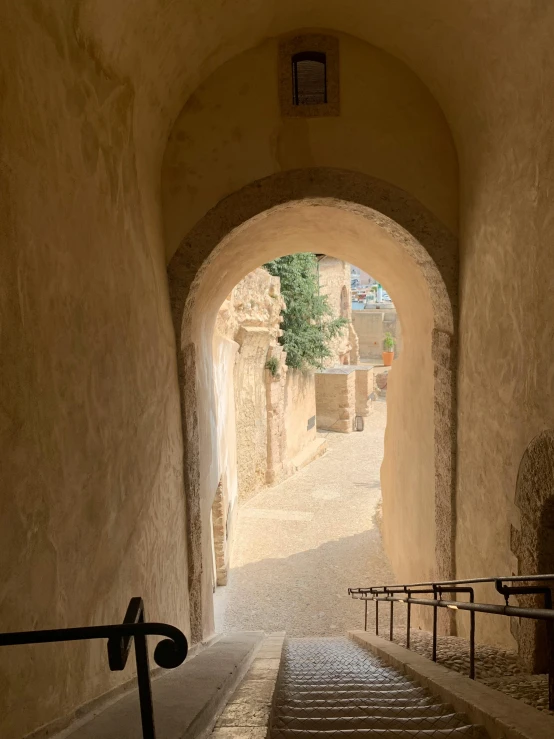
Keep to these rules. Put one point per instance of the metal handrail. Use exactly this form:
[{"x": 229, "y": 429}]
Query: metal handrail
[
  {"x": 391, "y": 594},
  {"x": 470, "y": 581},
  {"x": 169, "y": 653}
]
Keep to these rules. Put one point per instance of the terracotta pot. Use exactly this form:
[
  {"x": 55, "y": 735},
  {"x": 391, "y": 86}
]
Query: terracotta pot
[{"x": 387, "y": 358}]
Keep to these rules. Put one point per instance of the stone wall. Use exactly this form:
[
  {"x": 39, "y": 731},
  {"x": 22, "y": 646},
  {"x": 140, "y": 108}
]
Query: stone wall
[
  {"x": 300, "y": 410},
  {"x": 334, "y": 282},
  {"x": 224, "y": 507},
  {"x": 271, "y": 409},
  {"x": 335, "y": 401},
  {"x": 342, "y": 393},
  {"x": 92, "y": 435},
  {"x": 371, "y": 326}
]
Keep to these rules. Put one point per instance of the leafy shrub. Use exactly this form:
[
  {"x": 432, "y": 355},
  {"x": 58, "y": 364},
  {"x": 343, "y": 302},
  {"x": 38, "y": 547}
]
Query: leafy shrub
[{"x": 308, "y": 323}]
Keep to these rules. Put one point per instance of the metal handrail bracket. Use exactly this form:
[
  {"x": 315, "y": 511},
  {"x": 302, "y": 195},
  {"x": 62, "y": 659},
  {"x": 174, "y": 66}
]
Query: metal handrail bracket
[{"x": 169, "y": 653}]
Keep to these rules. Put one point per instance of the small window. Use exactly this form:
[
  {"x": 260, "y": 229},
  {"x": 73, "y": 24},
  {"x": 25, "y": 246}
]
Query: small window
[{"x": 309, "y": 78}]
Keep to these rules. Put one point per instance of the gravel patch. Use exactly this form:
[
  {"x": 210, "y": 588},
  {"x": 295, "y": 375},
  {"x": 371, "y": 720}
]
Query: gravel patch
[{"x": 499, "y": 668}]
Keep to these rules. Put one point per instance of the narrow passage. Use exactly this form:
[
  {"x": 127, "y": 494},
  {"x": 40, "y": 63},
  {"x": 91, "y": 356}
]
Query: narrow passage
[{"x": 300, "y": 544}]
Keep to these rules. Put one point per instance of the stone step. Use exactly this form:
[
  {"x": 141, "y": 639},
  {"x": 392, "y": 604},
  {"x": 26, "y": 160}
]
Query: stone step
[
  {"x": 333, "y": 689},
  {"x": 461, "y": 732},
  {"x": 353, "y": 701},
  {"x": 367, "y": 709},
  {"x": 359, "y": 684},
  {"x": 339, "y": 692},
  {"x": 316, "y": 722}
]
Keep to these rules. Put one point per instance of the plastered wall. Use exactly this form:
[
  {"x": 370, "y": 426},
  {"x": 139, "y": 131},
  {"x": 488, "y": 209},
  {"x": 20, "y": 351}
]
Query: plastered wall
[
  {"x": 231, "y": 133},
  {"x": 92, "y": 508},
  {"x": 334, "y": 283},
  {"x": 371, "y": 326},
  {"x": 506, "y": 384},
  {"x": 299, "y": 409},
  {"x": 91, "y": 447}
]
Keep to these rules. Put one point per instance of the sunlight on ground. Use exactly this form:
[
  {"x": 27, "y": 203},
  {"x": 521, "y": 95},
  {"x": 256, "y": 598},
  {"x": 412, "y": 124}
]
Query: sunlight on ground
[{"x": 301, "y": 544}]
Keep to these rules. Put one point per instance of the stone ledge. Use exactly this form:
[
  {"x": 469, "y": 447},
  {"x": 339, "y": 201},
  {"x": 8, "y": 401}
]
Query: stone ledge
[
  {"x": 502, "y": 717},
  {"x": 310, "y": 453},
  {"x": 247, "y": 714},
  {"x": 187, "y": 700}
]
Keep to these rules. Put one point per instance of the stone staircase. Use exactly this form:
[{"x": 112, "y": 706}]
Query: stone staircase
[{"x": 331, "y": 687}]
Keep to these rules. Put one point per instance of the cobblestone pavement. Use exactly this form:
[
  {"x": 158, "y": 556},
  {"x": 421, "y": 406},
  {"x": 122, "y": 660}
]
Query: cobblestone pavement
[
  {"x": 300, "y": 544},
  {"x": 498, "y": 668}
]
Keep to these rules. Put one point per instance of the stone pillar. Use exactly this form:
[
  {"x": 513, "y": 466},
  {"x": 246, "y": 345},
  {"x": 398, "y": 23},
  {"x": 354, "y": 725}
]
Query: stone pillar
[
  {"x": 251, "y": 409},
  {"x": 220, "y": 536},
  {"x": 335, "y": 394},
  {"x": 276, "y": 427}
]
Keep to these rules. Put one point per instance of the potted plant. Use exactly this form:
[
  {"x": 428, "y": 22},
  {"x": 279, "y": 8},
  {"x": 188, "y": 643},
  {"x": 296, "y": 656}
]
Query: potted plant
[{"x": 388, "y": 349}]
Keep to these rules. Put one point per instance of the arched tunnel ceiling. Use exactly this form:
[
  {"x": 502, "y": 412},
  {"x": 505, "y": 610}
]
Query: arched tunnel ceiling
[{"x": 471, "y": 54}]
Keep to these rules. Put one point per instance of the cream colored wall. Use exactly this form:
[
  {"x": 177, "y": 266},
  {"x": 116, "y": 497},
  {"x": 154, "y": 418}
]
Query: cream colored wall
[
  {"x": 231, "y": 133},
  {"x": 225, "y": 355},
  {"x": 299, "y": 408},
  {"x": 334, "y": 275},
  {"x": 84, "y": 124},
  {"x": 408, "y": 463},
  {"x": 251, "y": 410},
  {"x": 506, "y": 386},
  {"x": 371, "y": 327},
  {"x": 91, "y": 478},
  {"x": 335, "y": 401}
]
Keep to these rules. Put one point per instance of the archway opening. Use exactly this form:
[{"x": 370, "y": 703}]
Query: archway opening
[
  {"x": 417, "y": 469},
  {"x": 300, "y": 432}
]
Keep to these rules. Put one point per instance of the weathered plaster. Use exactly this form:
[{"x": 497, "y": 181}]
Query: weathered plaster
[
  {"x": 532, "y": 540},
  {"x": 231, "y": 133},
  {"x": 92, "y": 509},
  {"x": 85, "y": 121}
]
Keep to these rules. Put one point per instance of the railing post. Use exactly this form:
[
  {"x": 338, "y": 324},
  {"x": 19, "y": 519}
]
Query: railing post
[
  {"x": 408, "y": 620},
  {"x": 144, "y": 685},
  {"x": 435, "y": 610},
  {"x": 376, "y": 617},
  {"x": 550, "y": 651},
  {"x": 391, "y": 619},
  {"x": 365, "y": 618},
  {"x": 472, "y": 637}
]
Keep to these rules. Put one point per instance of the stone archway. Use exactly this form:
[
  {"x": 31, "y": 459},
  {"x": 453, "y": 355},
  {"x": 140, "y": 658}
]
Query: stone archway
[
  {"x": 421, "y": 237},
  {"x": 533, "y": 543}
]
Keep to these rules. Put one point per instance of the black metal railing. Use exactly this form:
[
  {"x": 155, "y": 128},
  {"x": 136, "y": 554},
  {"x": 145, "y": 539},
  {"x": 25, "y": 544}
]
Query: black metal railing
[
  {"x": 170, "y": 652},
  {"x": 410, "y": 595}
]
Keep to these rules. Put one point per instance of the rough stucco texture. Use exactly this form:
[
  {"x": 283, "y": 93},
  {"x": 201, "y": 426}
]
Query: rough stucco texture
[
  {"x": 299, "y": 409},
  {"x": 89, "y": 422},
  {"x": 334, "y": 283},
  {"x": 389, "y": 127},
  {"x": 92, "y": 509}
]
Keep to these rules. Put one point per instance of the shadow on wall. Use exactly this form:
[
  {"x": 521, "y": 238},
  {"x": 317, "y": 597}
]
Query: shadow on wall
[{"x": 306, "y": 594}]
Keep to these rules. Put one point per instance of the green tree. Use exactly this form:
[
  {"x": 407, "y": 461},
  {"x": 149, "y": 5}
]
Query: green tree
[{"x": 308, "y": 323}]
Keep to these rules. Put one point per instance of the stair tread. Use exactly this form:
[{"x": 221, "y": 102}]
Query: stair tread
[{"x": 332, "y": 687}]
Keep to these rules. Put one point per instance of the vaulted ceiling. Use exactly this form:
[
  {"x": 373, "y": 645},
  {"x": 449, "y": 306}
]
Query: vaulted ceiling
[{"x": 480, "y": 58}]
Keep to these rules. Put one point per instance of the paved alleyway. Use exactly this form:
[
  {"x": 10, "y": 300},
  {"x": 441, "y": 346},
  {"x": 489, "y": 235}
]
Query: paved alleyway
[{"x": 300, "y": 544}]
